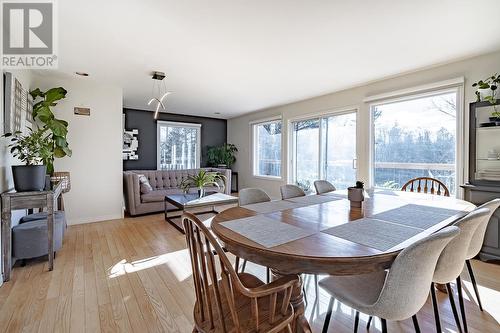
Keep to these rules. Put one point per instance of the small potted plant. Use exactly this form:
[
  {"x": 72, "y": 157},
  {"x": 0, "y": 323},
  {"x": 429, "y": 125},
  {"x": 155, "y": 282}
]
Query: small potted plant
[
  {"x": 222, "y": 156},
  {"x": 495, "y": 118},
  {"x": 487, "y": 88},
  {"x": 31, "y": 149},
  {"x": 356, "y": 195},
  {"x": 203, "y": 179}
]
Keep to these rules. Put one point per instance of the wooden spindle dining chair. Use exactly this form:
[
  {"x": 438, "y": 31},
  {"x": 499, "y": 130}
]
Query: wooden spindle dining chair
[
  {"x": 227, "y": 301},
  {"x": 426, "y": 185}
]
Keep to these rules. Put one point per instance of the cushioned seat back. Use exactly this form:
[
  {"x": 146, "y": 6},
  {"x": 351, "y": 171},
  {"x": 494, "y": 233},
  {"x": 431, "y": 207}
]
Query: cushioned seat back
[
  {"x": 166, "y": 179},
  {"x": 323, "y": 186},
  {"x": 407, "y": 284},
  {"x": 476, "y": 242},
  {"x": 452, "y": 260}
]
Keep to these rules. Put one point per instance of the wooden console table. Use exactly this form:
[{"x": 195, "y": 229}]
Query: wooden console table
[{"x": 12, "y": 200}]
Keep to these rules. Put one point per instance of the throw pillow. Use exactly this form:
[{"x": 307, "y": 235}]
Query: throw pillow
[{"x": 145, "y": 186}]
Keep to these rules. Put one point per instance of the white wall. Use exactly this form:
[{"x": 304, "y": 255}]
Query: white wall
[
  {"x": 238, "y": 128},
  {"x": 25, "y": 77},
  {"x": 96, "y": 141}
]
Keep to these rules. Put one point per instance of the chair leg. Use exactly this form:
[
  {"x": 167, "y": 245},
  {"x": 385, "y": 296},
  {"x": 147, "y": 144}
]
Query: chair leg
[
  {"x": 237, "y": 264},
  {"x": 436, "y": 309},
  {"x": 356, "y": 322},
  {"x": 369, "y": 322},
  {"x": 244, "y": 266},
  {"x": 474, "y": 285},
  {"x": 453, "y": 307},
  {"x": 461, "y": 303},
  {"x": 305, "y": 294},
  {"x": 415, "y": 323},
  {"x": 328, "y": 315},
  {"x": 384, "y": 325},
  {"x": 268, "y": 275},
  {"x": 316, "y": 287}
]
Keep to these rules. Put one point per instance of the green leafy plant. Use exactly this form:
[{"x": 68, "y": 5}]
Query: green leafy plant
[
  {"x": 391, "y": 184},
  {"x": 496, "y": 114},
  {"x": 222, "y": 155},
  {"x": 32, "y": 148},
  {"x": 203, "y": 179},
  {"x": 359, "y": 184},
  {"x": 491, "y": 83},
  {"x": 54, "y": 129},
  {"x": 304, "y": 184}
]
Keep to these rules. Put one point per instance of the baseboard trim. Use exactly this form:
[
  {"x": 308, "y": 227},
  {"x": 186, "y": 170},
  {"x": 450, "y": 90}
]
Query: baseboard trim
[{"x": 95, "y": 219}]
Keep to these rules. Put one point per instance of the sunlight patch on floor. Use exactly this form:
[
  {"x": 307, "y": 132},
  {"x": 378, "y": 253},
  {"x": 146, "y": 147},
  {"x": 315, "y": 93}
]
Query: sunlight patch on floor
[
  {"x": 177, "y": 262},
  {"x": 490, "y": 298}
]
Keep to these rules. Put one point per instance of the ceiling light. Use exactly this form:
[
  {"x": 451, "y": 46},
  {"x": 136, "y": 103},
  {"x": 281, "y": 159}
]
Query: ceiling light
[
  {"x": 216, "y": 112},
  {"x": 82, "y": 73},
  {"x": 159, "y": 92}
]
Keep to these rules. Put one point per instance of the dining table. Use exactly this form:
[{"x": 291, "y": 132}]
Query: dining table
[{"x": 323, "y": 234}]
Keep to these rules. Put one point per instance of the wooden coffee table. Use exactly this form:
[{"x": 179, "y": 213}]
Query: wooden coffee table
[{"x": 191, "y": 201}]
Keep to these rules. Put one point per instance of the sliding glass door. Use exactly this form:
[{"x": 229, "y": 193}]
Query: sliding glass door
[{"x": 324, "y": 148}]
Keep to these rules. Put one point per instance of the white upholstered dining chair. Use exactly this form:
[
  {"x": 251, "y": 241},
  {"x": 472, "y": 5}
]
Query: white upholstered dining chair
[
  {"x": 323, "y": 186},
  {"x": 291, "y": 191},
  {"x": 476, "y": 244},
  {"x": 248, "y": 196},
  {"x": 396, "y": 294},
  {"x": 451, "y": 263}
]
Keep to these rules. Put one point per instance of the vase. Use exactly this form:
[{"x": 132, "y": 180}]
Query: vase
[
  {"x": 201, "y": 192},
  {"x": 356, "y": 196},
  {"x": 29, "y": 177}
]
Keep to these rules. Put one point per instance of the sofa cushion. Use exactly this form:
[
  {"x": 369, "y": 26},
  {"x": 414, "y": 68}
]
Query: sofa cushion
[
  {"x": 144, "y": 184},
  {"x": 159, "y": 195}
]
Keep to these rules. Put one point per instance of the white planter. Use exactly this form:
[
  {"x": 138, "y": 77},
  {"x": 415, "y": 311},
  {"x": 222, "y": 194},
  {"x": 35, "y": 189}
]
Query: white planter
[
  {"x": 485, "y": 93},
  {"x": 356, "y": 196}
]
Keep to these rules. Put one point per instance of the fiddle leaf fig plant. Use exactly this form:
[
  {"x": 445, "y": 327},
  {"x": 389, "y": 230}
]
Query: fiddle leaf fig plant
[{"x": 55, "y": 129}]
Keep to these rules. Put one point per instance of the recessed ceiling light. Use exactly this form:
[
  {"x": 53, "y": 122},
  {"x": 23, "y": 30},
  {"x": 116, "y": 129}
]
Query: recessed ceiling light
[
  {"x": 82, "y": 73},
  {"x": 216, "y": 112}
]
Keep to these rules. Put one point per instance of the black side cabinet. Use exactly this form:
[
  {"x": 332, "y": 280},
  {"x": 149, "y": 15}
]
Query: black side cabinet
[{"x": 484, "y": 169}]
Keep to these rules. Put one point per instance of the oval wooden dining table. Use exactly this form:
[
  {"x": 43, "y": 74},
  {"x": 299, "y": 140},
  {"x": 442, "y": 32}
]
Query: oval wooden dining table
[{"x": 324, "y": 253}]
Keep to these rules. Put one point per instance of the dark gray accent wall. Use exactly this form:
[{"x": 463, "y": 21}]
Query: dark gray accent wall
[{"x": 213, "y": 133}]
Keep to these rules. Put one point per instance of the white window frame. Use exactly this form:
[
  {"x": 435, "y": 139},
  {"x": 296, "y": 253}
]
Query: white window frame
[
  {"x": 254, "y": 154},
  {"x": 291, "y": 142},
  {"x": 161, "y": 123},
  {"x": 438, "y": 88}
]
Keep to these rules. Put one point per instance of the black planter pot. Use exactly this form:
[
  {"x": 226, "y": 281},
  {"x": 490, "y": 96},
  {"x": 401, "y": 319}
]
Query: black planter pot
[{"x": 29, "y": 177}]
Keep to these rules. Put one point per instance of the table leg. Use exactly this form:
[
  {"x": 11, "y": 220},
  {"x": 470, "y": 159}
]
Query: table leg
[
  {"x": 6, "y": 238},
  {"x": 50, "y": 230},
  {"x": 301, "y": 325}
]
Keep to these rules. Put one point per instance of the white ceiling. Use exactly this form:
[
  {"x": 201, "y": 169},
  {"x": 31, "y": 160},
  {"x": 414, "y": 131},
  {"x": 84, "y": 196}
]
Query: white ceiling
[{"x": 237, "y": 56}]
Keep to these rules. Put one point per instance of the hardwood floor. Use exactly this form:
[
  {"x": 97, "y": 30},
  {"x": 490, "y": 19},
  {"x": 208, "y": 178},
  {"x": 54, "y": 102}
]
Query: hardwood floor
[{"x": 133, "y": 275}]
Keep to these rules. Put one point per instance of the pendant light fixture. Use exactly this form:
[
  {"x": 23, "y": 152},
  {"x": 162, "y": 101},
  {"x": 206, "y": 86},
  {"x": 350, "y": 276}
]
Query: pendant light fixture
[{"x": 159, "y": 92}]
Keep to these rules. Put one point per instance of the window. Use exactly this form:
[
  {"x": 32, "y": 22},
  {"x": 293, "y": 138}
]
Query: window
[
  {"x": 267, "y": 149},
  {"x": 415, "y": 137},
  {"x": 324, "y": 148},
  {"x": 178, "y": 145}
]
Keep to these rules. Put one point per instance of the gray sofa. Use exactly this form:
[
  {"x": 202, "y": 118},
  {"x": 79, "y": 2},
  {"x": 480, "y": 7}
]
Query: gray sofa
[{"x": 163, "y": 182}]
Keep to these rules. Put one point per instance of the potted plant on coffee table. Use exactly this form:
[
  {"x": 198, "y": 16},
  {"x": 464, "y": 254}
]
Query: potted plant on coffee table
[
  {"x": 201, "y": 180},
  {"x": 32, "y": 149}
]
